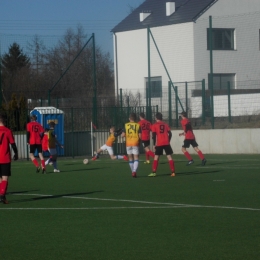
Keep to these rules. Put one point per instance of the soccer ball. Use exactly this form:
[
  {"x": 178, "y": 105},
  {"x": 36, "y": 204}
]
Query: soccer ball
[{"x": 85, "y": 161}]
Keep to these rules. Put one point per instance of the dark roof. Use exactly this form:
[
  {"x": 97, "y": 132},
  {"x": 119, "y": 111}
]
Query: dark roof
[{"x": 185, "y": 11}]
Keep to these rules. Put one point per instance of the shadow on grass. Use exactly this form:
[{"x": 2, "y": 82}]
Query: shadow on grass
[
  {"x": 19, "y": 192},
  {"x": 44, "y": 197},
  {"x": 75, "y": 170},
  {"x": 185, "y": 173},
  {"x": 217, "y": 163},
  {"x": 199, "y": 172}
]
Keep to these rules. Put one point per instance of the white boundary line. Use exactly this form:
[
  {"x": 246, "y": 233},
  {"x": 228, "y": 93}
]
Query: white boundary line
[{"x": 164, "y": 204}]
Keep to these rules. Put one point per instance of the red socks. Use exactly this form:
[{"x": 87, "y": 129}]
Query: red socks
[
  {"x": 3, "y": 187},
  {"x": 187, "y": 155},
  {"x": 151, "y": 153},
  {"x": 155, "y": 165},
  {"x": 35, "y": 162},
  {"x": 171, "y": 163},
  {"x": 43, "y": 164},
  {"x": 200, "y": 155}
]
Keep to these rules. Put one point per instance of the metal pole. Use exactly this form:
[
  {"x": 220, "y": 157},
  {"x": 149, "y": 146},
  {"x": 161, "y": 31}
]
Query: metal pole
[
  {"x": 121, "y": 98},
  {"x": 211, "y": 72},
  {"x": 170, "y": 103},
  {"x": 128, "y": 106},
  {"x": 94, "y": 79},
  {"x": 72, "y": 132},
  {"x": 176, "y": 106},
  {"x": 203, "y": 101},
  {"x": 164, "y": 65},
  {"x": 229, "y": 103},
  {"x": 149, "y": 73},
  {"x": 50, "y": 90},
  {"x": 186, "y": 96},
  {"x": 49, "y": 97}
]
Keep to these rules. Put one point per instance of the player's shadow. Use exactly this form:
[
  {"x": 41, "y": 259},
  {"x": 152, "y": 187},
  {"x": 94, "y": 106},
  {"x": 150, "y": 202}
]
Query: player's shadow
[
  {"x": 20, "y": 192},
  {"x": 199, "y": 172},
  {"x": 186, "y": 173},
  {"x": 218, "y": 163},
  {"x": 54, "y": 196}
]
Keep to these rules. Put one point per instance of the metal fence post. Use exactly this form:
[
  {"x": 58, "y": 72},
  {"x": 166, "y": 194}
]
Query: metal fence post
[
  {"x": 72, "y": 132},
  {"x": 176, "y": 104},
  {"x": 121, "y": 98},
  {"x": 229, "y": 103},
  {"x": 186, "y": 96},
  {"x": 128, "y": 106},
  {"x": 170, "y": 103},
  {"x": 203, "y": 96},
  {"x": 211, "y": 72}
]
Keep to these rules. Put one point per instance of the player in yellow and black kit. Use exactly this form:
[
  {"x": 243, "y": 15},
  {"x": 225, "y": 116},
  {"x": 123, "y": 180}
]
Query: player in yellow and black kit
[
  {"x": 52, "y": 141},
  {"x": 132, "y": 134},
  {"x": 108, "y": 146}
]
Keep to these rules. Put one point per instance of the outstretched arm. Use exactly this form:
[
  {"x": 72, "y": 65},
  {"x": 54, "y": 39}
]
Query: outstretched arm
[{"x": 14, "y": 147}]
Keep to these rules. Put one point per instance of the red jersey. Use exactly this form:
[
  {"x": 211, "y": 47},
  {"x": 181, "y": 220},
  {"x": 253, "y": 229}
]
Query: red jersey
[
  {"x": 6, "y": 138},
  {"x": 35, "y": 129},
  {"x": 146, "y": 128},
  {"x": 45, "y": 142},
  {"x": 161, "y": 129},
  {"x": 186, "y": 126}
]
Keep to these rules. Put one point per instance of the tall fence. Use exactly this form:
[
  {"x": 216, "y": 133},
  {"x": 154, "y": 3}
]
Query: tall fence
[{"x": 78, "y": 134}]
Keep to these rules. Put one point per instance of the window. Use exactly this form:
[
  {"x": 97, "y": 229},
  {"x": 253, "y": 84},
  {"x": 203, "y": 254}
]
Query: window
[
  {"x": 156, "y": 86},
  {"x": 222, "y": 39},
  {"x": 220, "y": 81}
]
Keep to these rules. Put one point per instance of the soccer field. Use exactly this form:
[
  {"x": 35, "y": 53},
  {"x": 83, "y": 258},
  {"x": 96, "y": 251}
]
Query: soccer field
[{"x": 98, "y": 211}]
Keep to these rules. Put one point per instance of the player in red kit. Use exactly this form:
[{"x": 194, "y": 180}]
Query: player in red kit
[
  {"x": 145, "y": 136},
  {"x": 35, "y": 133},
  {"x": 6, "y": 138},
  {"x": 189, "y": 140},
  {"x": 161, "y": 134}
]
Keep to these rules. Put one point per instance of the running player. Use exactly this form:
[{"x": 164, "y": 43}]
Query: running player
[
  {"x": 6, "y": 138},
  {"x": 145, "y": 126},
  {"x": 35, "y": 133},
  {"x": 189, "y": 140},
  {"x": 132, "y": 134},
  {"x": 108, "y": 146},
  {"x": 161, "y": 134},
  {"x": 52, "y": 141},
  {"x": 45, "y": 145}
]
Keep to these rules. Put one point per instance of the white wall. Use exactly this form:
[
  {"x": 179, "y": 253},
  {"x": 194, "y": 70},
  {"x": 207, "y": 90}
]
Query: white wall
[
  {"x": 221, "y": 141},
  {"x": 241, "y": 105},
  {"x": 175, "y": 43},
  {"x": 244, "y": 17}
]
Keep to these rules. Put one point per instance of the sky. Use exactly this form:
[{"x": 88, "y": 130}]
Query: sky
[{"x": 54, "y": 17}]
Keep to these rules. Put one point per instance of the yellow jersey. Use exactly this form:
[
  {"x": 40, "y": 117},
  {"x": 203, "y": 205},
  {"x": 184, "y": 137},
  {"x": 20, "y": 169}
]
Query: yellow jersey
[
  {"x": 110, "y": 140},
  {"x": 51, "y": 139},
  {"x": 132, "y": 131}
]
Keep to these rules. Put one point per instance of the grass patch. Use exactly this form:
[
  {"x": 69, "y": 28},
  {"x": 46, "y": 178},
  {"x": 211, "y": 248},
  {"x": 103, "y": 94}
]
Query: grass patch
[{"x": 98, "y": 211}]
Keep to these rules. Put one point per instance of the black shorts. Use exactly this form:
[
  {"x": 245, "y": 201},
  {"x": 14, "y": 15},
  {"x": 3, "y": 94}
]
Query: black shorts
[
  {"x": 146, "y": 143},
  {"x": 34, "y": 147},
  {"x": 188, "y": 142},
  {"x": 5, "y": 169},
  {"x": 159, "y": 150}
]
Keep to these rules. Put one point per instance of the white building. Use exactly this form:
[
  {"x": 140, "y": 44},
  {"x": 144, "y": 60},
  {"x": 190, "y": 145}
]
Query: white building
[{"x": 180, "y": 31}]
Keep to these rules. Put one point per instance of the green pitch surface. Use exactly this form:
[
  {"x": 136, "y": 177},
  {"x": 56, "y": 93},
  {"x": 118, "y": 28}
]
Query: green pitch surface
[{"x": 98, "y": 211}]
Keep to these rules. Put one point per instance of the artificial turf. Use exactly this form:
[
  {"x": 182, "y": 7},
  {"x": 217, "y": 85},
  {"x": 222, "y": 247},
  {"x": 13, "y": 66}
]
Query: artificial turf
[{"x": 98, "y": 211}]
